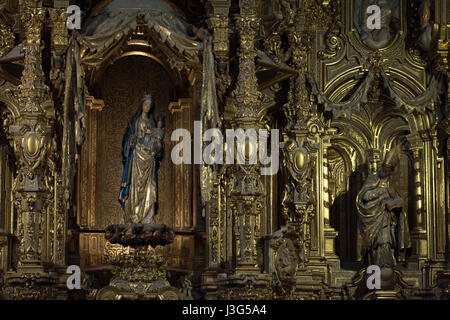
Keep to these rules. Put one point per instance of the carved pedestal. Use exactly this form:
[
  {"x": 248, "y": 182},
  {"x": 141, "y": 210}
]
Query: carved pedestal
[
  {"x": 240, "y": 286},
  {"x": 140, "y": 272},
  {"x": 32, "y": 284},
  {"x": 392, "y": 286}
]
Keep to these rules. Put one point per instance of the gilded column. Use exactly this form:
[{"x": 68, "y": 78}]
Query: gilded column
[
  {"x": 447, "y": 164},
  {"x": 31, "y": 135},
  {"x": 428, "y": 162},
  {"x": 329, "y": 232},
  {"x": 32, "y": 138},
  {"x": 418, "y": 232},
  {"x": 246, "y": 187}
]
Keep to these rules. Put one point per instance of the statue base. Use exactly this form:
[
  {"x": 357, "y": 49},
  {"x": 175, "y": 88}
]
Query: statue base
[
  {"x": 137, "y": 234},
  {"x": 392, "y": 286},
  {"x": 140, "y": 272}
]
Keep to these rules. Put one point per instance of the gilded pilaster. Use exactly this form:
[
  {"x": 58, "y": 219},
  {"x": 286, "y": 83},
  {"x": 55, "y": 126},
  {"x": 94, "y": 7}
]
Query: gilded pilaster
[
  {"x": 311, "y": 139},
  {"x": 448, "y": 186},
  {"x": 429, "y": 189},
  {"x": 443, "y": 25},
  {"x": 442, "y": 15}
]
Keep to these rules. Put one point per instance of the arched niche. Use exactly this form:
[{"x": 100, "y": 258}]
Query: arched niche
[
  {"x": 347, "y": 169},
  {"x": 125, "y": 52},
  {"x": 357, "y": 150},
  {"x": 120, "y": 86}
]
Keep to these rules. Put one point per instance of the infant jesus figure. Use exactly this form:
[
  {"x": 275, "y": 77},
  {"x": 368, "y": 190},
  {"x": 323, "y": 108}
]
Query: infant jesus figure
[{"x": 154, "y": 136}]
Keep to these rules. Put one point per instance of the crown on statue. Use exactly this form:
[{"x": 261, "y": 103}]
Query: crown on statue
[{"x": 147, "y": 96}]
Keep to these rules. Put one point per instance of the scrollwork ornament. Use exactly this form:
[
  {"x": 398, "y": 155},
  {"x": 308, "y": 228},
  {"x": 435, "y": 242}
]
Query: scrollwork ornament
[{"x": 333, "y": 43}]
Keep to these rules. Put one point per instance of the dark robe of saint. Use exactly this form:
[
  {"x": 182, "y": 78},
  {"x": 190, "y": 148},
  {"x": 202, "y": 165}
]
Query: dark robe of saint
[{"x": 383, "y": 232}]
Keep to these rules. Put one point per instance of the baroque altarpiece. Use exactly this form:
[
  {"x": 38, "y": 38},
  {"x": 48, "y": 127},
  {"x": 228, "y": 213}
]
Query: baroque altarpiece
[{"x": 343, "y": 96}]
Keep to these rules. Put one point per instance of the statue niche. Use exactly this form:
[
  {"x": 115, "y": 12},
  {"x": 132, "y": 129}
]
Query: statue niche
[
  {"x": 142, "y": 150},
  {"x": 128, "y": 48}
]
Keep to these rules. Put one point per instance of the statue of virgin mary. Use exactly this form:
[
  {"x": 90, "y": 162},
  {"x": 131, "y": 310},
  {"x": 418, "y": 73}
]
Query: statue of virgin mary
[{"x": 142, "y": 150}]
